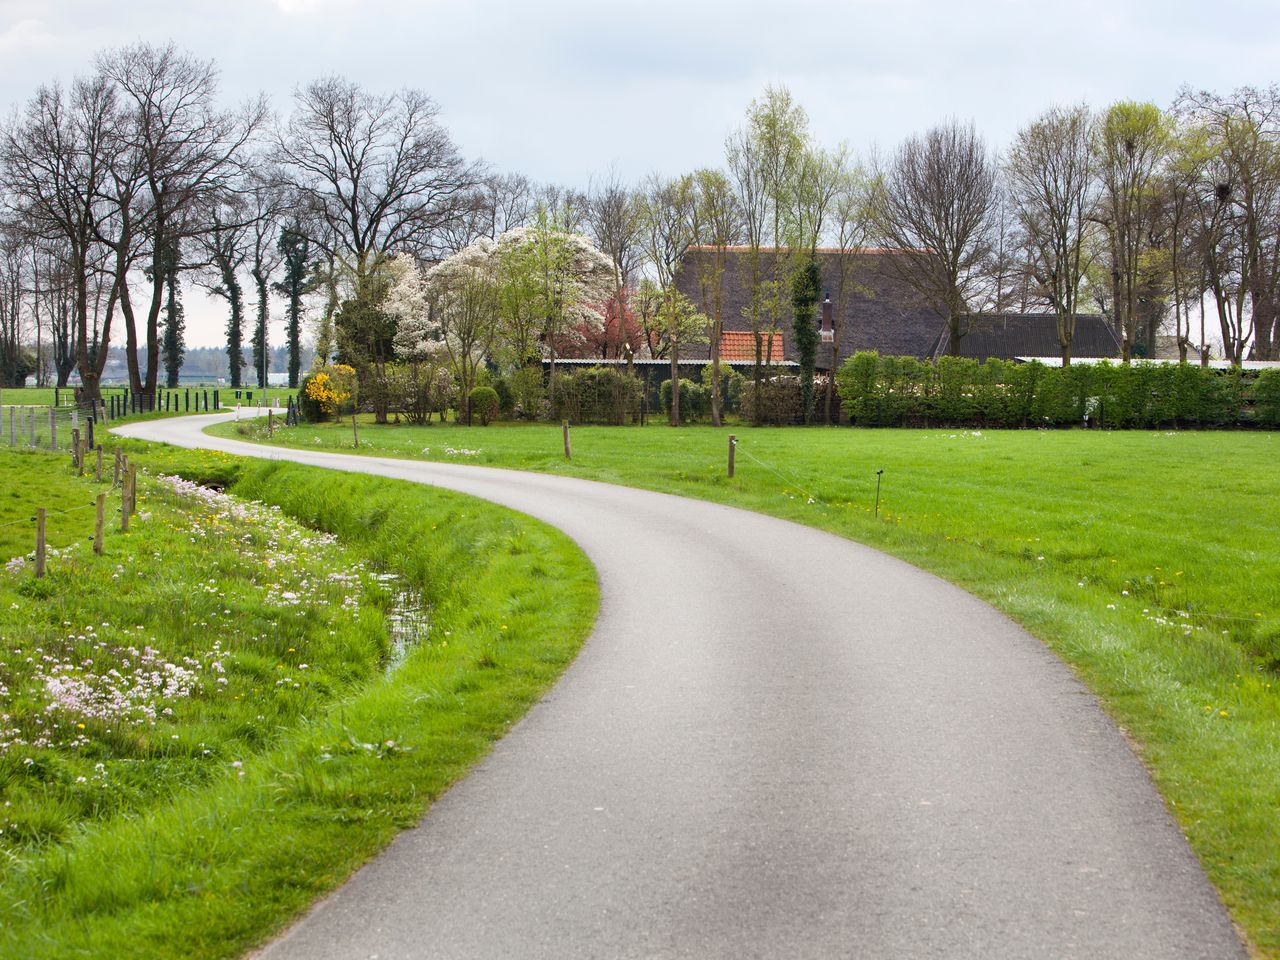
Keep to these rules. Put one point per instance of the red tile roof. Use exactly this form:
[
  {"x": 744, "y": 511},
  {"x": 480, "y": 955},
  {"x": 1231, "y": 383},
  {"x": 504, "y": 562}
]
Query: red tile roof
[{"x": 739, "y": 346}]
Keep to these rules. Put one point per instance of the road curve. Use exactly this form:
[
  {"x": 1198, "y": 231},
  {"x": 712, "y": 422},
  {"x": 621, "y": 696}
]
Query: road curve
[{"x": 777, "y": 744}]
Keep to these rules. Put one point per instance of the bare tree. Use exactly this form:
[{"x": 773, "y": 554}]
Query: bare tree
[
  {"x": 226, "y": 244},
  {"x": 55, "y": 157},
  {"x": 1130, "y": 144},
  {"x": 377, "y": 174},
  {"x": 564, "y": 206},
  {"x": 668, "y": 223},
  {"x": 613, "y": 219},
  {"x": 1240, "y": 204},
  {"x": 934, "y": 206},
  {"x": 267, "y": 203},
  {"x": 764, "y": 156},
  {"x": 176, "y": 150},
  {"x": 720, "y": 227},
  {"x": 1051, "y": 180}
]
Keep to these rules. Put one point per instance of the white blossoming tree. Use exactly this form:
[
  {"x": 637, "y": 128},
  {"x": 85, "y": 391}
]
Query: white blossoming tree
[{"x": 554, "y": 284}]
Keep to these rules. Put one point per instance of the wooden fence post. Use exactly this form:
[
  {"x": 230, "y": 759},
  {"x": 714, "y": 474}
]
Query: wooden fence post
[
  {"x": 568, "y": 450},
  {"x": 115, "y": 473},
  {"x": 53, "y": 430},
  {"x": 733, "y": 444},
  {"x": 40, "y": 521},
  {"x": 133, "y": 489},
  {"x": 98, "y": 473},
  {"x": 77, "y": 455},
  {"x": 270, "y": 426},
  {"x": 100, "y": 518},
  {"x": 88, "y": 425}
]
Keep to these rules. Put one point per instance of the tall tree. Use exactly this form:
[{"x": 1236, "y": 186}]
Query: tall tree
[
  {"x": 177, "y": 151},
  {"x": 763, "y": 158},
  {"x": 226, "y": 248},
  {"x": 614, "y": 224},
  {"x": 173, "y": 342},
  {"x": 1130, "y": 143},
  {"x": 851, "y": 223},
  {"x": 264, "y": 259},
  {"x": 55, "y": 156},
  {"x": 806, "y": 286},
  {"x": 933, "y": 205},
  {"x": 1242, "y": 249},
  {"x": 376, "y": 174},
  {"x": 295, "y": 255},
  {"x": 669, "y": 223},
  {"x": 720, "y": 221},
  {"x": 1054, "y": 190}
]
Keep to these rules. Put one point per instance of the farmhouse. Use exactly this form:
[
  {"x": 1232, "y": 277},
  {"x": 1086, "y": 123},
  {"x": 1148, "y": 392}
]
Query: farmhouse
[{"x": 872, "y": 308}]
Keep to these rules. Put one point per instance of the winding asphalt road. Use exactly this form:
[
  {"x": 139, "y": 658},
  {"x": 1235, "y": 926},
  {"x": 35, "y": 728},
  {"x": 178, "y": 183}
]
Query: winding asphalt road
[{"x": 775, "y": 744}]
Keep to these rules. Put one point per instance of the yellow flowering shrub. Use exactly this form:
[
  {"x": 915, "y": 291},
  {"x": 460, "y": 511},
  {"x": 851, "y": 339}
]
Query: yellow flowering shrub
[{"x": 329, "y": 387}]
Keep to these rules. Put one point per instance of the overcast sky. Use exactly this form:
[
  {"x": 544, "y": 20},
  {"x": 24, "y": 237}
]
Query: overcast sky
[{"x": 563, "y": 90}]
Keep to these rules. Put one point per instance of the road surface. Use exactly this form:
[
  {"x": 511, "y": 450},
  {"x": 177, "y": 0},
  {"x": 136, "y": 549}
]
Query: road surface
[{"x": 776, "y": 743}]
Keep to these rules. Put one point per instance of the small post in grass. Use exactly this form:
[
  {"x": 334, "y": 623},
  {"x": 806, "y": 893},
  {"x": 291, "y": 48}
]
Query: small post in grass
[
  {"x": 100, "y": 520},
  {"x": 77, "y": 452},
  {"x": 40, "y": 545},
  {"x": 133, "y": 489},
  {"x": 733, "y": 445},
  {"x": 115, "y": 470},
  {"x": 98, "y": 472},
  {"x": 878, "y": 474},
  {"x": 355, "y": 432},
  {"x": 270, "y": 425}
]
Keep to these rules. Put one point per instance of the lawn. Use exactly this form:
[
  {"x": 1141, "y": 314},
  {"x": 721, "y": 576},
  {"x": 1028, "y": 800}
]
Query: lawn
[
  {"x": 210, "y": 724},
  {"x": 1147, "y": 560}
]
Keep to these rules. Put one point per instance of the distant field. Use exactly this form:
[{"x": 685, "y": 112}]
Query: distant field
[
  {"x": 44, "y": 396},
  {"x": 1148, "y": 560}
]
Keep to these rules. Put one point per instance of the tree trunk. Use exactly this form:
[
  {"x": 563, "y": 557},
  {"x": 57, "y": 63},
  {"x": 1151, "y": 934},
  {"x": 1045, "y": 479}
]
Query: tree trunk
[{"x": 675, "y": 383}]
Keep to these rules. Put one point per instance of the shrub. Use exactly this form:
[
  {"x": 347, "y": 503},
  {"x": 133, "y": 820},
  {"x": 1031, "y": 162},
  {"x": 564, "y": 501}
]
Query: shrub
[
  {"x": 409, "y": 390},
  {"x": 731, "y": 382},
  {"x": 527, "y": 393},
  {"x": 596, "y": 395},
  {"x": 325, "y": 392},
  {"x": 695, "y": 399},
  {"x": 781, "y": 401},
  {"x": 1265, "y": 395},
  {"x": 484, "y": 404}
]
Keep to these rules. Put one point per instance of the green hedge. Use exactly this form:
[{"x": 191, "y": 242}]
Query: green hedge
[
  {"x": 695, "y": 399},
  {"x": 954, "y": 391},
  {"x": 596, "y": 395},
  {"x": 781, "y": 402}
]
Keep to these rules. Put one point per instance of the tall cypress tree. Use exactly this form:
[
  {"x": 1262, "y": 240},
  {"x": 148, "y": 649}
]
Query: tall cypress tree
[
  {"x": 296, "y": 251},
  {"x": 173, "y": 345},
  {"x": 805, "y": 287}
]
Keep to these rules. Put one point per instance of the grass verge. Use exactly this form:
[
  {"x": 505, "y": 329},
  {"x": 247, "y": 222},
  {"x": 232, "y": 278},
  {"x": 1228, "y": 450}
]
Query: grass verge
[
  {"x": 136, "y": 832},
  {"x": 1147, "y": 560}
]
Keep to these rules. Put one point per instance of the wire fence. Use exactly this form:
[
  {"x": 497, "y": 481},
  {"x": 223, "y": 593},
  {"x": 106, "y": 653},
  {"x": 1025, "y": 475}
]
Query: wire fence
[{"x": 43, "y": 428}]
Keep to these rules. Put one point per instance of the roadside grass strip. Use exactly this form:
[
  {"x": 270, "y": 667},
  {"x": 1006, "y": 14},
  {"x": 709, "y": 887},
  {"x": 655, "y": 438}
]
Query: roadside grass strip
[
  {"x": 1147, "y": 560},
  {"x": 210, "y": 725}
]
